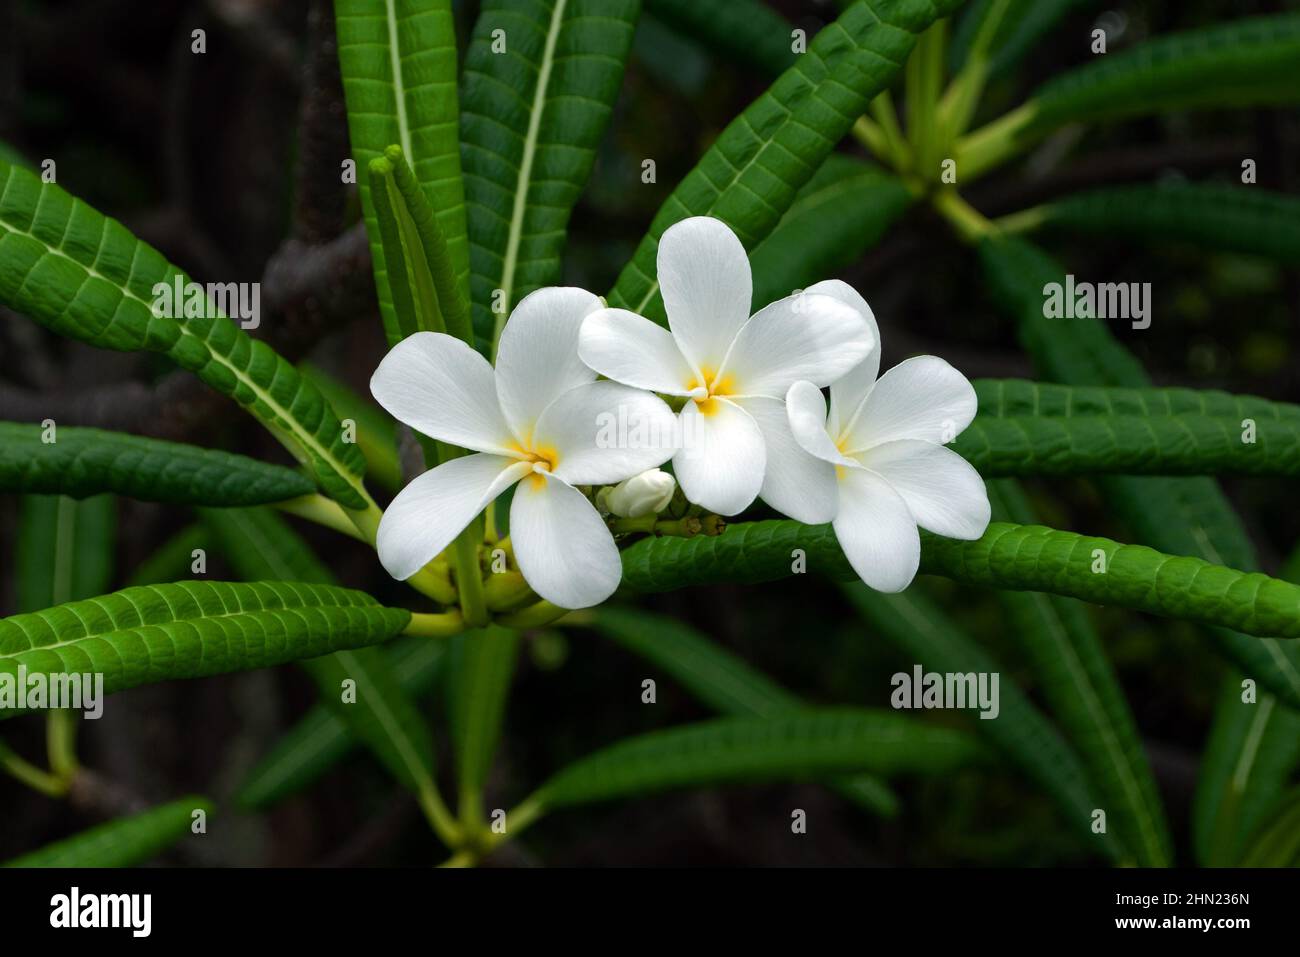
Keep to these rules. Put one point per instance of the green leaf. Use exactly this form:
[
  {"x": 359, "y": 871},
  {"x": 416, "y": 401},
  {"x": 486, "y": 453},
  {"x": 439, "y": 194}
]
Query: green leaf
[
  {"x": 420, "y": 274},
  {"x": 1027, "y": 428},
  {"x": 843, "y": 211},
  {"x": 1245, "y": 219},
  {"x": 532, "y": 118},
  {"x": 480, "y": 668},
  {"x": 797, "y": 746},
  {"x": 1022, "y": 25},
  {"x": 260, "y": 545},
  {"x": 748, "y": 32},
  {"x": 1277, "y": 844},
  {"x": 124, "y": 842},
  {"x": 86, "y": 277},
  {"x": 376, "y": 431},
  {"x": 82, "y": 462},
  {"x": 1022, "y": 557},
  {"x": 1252, "y": 751},
  {"x": 928, "y": 637},
  {"x": 398, "y": 61},
  {"x": 722, "y": 681},
  {"x": 65, "y": 549},
  {"x": 321, "y": 739},
  {"x": 754, "y": 170},
  {"x": 1188, "y": 516},
  {"x": 192, "y": 630},
  {"x": 172, "y": 560},
  {"x": 1085, "y": 696}
]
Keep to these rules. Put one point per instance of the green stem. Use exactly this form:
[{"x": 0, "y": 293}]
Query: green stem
[
  {"x": 61, "y": 743},
  {"x": 31, "y": 775},
  {"x": 440, "y": 819},
  {"x": 525, "y": 814},
  {"x": 924, "y": 79},
  {"x": 995, "y": 143},
  {"x": 963, "y": 94},
  {"x": 970, "y": 223},
  {"x": 534, "y": 616},
  {"x": 443, "y": 625},
  {"x": 325, "y": 511},
  {"x": 875, "y": 140},
  {"x": 882, "y": 108},
  {"x": 469, "y": 577},
  {"x": 1025, "y": 221}
]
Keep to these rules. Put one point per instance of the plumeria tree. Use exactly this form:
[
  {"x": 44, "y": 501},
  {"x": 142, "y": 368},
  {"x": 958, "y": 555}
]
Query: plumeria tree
[{"x": 551, "y": 455}]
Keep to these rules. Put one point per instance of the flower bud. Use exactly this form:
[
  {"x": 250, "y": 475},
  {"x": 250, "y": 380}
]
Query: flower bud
[{"x": 640, "y": 495}]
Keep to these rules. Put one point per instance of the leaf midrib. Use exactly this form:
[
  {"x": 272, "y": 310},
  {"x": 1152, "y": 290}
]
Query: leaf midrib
[{"x": 399, "y": 87}]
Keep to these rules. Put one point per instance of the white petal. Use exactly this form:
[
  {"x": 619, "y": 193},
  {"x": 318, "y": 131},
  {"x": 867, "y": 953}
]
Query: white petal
[
  {"x": 438, "y": 385},
  {"x": 436, "y": 507},
  {"x": 603, "y": 432},
  {"x": 805, "y": 336},
  {"x": 564, "y": 548},
  {"x": 631, "y": 349},
  {"x": 942, "y": 490},
  {"x": 707, "y": 288},
  {"x": 794, "y": 482},
  {"x": 806, "y": 411},
  {"x": 921, "y": 398},
  {"x": 721, "y": 463},
  {"x": 537, "y": 358},
  {"x": 877, "y": 532},
  {"x": 848, "y": 391}
]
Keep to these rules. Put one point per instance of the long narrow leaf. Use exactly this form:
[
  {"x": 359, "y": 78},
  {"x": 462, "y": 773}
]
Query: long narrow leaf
[{"x": 124, "y": 842}]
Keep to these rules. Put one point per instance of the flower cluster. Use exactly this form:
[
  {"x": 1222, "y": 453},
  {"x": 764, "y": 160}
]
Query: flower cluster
[{"x": 753, "y": 423}]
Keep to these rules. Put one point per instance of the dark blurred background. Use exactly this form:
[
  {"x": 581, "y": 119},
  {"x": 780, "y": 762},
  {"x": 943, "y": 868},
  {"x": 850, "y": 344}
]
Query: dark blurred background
[{"x": 213, "y": 160}]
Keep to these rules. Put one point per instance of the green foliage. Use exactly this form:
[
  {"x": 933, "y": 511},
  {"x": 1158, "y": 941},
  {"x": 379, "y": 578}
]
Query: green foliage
[
  {"x": 1277, "y": 844},
  {"x": 480, "y": 668},
  {"x": 84, "y": 462},
  {"x": 1076, "y": 678},
  {"x": 172, "y": 560},
  {"x": 1022, "y": 24},
  {"x": 65, "y": 549},
  {"x": 398, "y": 61},
  {"x": 844, "y": 210},
  {"x": 86, "y": 277},
  {"x": 532, "y": 118},
  {"x": 748, "y": 32},
  {"x": 722, "y": 681},
  {"x": 193, "y": 630},
  {"x": 928, "y": 637},
  {"x": 321, "y": 739},
  {"x": 124, "y": 842},
  {"x": 804, "y": 744},
  {"x": 376, "y": 431},
  {"x": 754, "y": 170}
]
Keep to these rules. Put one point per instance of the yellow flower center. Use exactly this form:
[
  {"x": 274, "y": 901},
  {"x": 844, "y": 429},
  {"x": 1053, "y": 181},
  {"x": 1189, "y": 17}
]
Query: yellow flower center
[
  {"x": 708, "y": 388},
  {"x": 543, "y": 458}
]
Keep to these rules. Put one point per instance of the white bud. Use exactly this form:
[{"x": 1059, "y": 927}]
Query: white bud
[{"x": 640, "y": 495}]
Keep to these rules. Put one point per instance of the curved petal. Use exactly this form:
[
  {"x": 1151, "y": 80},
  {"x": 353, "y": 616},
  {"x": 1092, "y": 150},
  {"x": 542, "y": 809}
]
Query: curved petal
[
  {"x": 707, "y": 288},
  {"x": 631, "y": 349},
  {"x": 848, "y": 391},
  {"x": 537, "y": 358},
  {"x": 603, "y": 432},
  {"x": 921, "y": 398},
  {"x": 438, "y": 385},
  {"x": 794, "y": 482},
  {"x": 805, "y": 408},
  {"x": 722, "y": 459},
  {"x": 564, "y": 548},
  {"x": 816, "y": 338},
  {"x": 942, "y": 490},
  {"x": 434, "y": 508},
  {"x": 877, "y": 532}
]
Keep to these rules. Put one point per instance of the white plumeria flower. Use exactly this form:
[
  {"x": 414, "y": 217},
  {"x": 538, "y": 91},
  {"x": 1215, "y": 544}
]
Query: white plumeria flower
[
  {"x": 881, "y": 462},
  {"x": 734, "y": 370},
  {"x": 539, "y": 420}
]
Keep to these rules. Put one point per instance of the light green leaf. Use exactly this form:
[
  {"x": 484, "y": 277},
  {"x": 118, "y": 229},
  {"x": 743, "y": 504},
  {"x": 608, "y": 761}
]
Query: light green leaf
[
  {"x": 747, "y": 31},
  {"x": 843, "y": 211},
  {"x": 1023, "y": 557},
  {"x": 926, "y": 636},
  {"x": 797, "y": 746},
  {"x": 756, "y": 167},
  {"x": 398, "y": 61},
  {"x": 193, "y": 630},
  {"x": 480, "y": 668},
  {"x": 65, "y": 549},
  {"x": 1085, "y": 696},
  {"x": 86, "y": 277},
  {"x": 1246, "y": 219},
  {"x": 532, "y": 118},
  {"x": 84, "y": 462},
  {"x": 1189, "y": 516},
  {"x": 321, "y": 739},
  {"x": 722, "y": 681},
  {"x": 124, "y": 842}
]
